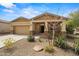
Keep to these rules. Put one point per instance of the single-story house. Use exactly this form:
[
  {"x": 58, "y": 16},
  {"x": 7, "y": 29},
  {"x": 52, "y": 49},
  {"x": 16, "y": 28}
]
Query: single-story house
[
  {"x": 4, "y": 27},
  {"x": 38, "y": 24}
]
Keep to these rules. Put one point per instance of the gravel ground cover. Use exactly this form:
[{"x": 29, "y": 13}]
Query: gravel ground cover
[{"x": 24, "y": 48}]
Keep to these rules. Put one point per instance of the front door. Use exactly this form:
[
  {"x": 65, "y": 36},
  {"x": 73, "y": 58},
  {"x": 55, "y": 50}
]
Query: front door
[{"x": 42, "y": 29}]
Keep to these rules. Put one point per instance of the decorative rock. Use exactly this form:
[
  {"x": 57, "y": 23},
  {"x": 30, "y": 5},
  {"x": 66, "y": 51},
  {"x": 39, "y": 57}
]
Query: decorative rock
[
  {"x": 37, "y": 37},
  {"x": 38, "y": 47}
]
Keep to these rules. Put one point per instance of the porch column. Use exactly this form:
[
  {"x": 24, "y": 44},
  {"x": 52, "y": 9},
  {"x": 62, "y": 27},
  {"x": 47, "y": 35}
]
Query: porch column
[
  {"x": 46, "y": 28},
  {"x": 63, "y": 27}
]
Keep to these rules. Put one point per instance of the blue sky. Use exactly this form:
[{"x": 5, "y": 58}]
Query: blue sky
[{"x": 11, "y": 11}]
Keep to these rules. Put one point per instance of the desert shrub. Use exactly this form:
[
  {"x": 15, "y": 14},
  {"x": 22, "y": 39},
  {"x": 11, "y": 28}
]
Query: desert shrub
[
  {"x": 60, "y": 42},
  {"x": 8, "y": 43},
  {"x": 69, "y": 29},
  {"x": 49, "y": 49},
  {"x": 31, "y": 39},
  {"x": 76, "y": 46},
  {"x": 40, "y": 40}
]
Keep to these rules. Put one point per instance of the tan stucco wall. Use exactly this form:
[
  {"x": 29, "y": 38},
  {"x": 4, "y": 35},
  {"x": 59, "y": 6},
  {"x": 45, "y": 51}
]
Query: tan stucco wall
[{"x": 4, "y": 27}]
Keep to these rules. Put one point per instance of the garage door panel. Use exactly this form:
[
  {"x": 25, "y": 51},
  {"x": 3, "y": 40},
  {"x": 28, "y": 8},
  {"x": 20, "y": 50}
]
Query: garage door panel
[{"x": 22, "y": 29}]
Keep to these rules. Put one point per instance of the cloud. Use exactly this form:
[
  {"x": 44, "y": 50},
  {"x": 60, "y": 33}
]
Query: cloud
[
  {"x": 8, "y": 10},
  {"x": 29, "y": 12},
  {"x": 8, "y": 5},
  {"x": 69, "y": 11}
]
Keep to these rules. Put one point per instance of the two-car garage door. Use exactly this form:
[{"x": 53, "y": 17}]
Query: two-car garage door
[{"x": 21, "y": 29}]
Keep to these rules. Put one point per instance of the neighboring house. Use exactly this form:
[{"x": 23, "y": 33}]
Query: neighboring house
[
  {"x": 4, "y": 27},
  {"x": 38, "y": 24}
]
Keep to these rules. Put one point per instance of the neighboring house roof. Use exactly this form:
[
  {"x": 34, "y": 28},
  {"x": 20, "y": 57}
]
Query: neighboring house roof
[
  {"x": 3, "y": 21},
  {"x": 49, "y": 14}
]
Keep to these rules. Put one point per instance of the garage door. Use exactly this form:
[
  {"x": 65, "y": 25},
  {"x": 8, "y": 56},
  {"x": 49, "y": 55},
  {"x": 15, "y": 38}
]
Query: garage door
[{"x": 22, "y": 29}]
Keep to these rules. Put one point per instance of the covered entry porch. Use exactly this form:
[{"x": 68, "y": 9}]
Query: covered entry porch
[{"x": 42, "y": 27}]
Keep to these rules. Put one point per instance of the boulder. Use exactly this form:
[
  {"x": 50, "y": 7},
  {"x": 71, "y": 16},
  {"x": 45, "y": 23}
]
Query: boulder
[
  {"x": 37, "y": 37},
  {"x": 38, "y": 48}
]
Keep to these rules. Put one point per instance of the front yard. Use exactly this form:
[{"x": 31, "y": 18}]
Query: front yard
[
  {"x": 24, "y": 48},
  {"x": 6, "y": 36}
]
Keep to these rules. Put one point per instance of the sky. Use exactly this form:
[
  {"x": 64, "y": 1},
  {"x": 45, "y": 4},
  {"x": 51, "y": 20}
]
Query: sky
[{"x": 11, "y": 11}]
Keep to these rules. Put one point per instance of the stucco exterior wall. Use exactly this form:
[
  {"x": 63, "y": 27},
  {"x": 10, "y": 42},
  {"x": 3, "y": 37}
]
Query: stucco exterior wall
[{"x": 4, "y": 27}]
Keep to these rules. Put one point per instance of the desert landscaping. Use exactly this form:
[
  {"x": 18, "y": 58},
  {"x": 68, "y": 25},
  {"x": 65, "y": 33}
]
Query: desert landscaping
[{"x": 23, "y": 47}]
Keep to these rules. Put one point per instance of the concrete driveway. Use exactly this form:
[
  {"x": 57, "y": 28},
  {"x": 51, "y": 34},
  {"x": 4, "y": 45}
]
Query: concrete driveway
[{"x": 15, "y": 37}]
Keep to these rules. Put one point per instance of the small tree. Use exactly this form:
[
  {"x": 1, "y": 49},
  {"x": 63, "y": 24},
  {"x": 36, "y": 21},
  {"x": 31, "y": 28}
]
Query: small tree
[
  {"x": 50, "y": 37},
  {"x": 70, "y": 29},
  {"x": 51, "y": 33},
  {"x": 73, "y": 22}
]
